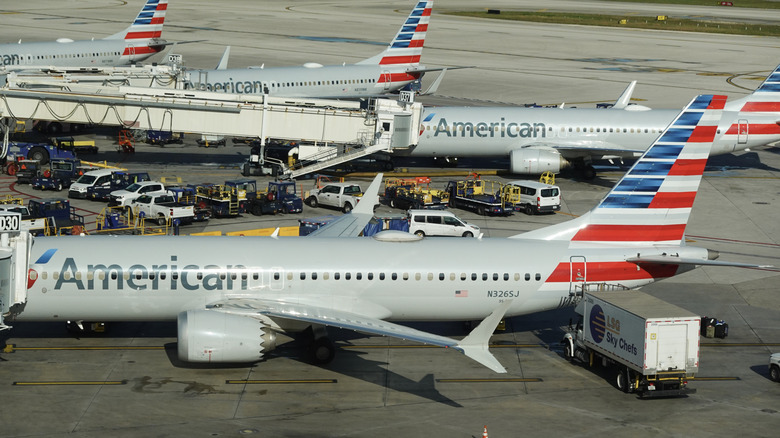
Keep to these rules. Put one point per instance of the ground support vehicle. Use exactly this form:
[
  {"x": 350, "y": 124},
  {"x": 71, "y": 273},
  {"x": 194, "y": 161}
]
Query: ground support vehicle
[
  {"x": 531, "y": 197},
  {"x": 211, "y": 140},
  {"x": 76, "y": 146},
  {"x": 258, "y": 164},
  {"x": 61, "y": 217},
  {"x": 34, "y": 226},
  {"x": 427, "y": 222},
  {"x": 341, "y": 195},
  {"x": 62, "y": 172},
  {"x": 281, "y": 197},
  {"x": 26, "y": 171},
  {"x": 188, "y": 196},
  {"x": 229, "y": 199},
  {"x": 482, "y": 197},
  {"x": 651, "y": 347},
  {"x": 283, "y": 193},
  {"x": 114, "y": 218},
  {"x": 161, "y": 138},
  {"x": 125, "y": 141},
  {"x": 415, "y": 193},
  {"x": 774, "y": 367},
  {"x": 163, "y": 209},
  {"x": 119, "y": 181},
  {"x": 41, "y": 152},
  {"x": 125, "y": 197}
]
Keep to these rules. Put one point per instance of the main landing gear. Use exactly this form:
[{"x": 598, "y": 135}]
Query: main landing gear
[{"x": 321, "y": 349}]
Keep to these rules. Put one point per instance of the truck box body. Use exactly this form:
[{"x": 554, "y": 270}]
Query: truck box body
[{"x": 644, "y": 333}]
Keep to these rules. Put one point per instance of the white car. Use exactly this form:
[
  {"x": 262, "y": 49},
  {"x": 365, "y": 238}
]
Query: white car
[
  {"x": 125, "y": 197},
  {"x": 774, "y": 367},
  {"x": 439, "y": 223}
]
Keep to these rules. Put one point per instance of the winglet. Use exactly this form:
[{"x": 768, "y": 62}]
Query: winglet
[
  {"x": 475, "y": 345},
  {"x": 223, "y": 62},
  {"x": 370, "y": 197},
  {"x": 625, "y": 98}
]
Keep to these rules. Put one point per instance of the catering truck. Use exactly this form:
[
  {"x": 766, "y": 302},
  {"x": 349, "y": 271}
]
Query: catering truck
[{"x": 650, "y": 346}]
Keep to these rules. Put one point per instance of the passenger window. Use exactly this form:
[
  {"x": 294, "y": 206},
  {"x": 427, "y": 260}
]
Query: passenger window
[
  {"x": 434, "y": 219},
  {"x": 394, "y": 276},
  {"x": 538, "y": 277}
]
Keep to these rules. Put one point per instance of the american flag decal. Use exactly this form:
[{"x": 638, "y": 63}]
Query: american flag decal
[{"x": 461, "y": 293}]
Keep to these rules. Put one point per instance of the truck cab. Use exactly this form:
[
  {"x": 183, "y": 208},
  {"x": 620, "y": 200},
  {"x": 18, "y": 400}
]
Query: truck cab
[
  {"x": 340, "y": 195},
  {"x": 125, "y": 197}
]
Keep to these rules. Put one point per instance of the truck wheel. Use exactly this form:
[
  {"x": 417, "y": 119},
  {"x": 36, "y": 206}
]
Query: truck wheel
[
  {"x": 161, "y": 220},
  {"x": 774, "y": 373},
  {"x": 313, "y": 201},
  {"x": 392, "y": 203},
  {"x": 529, "y": 210},
  {"x": 621, "y": 380},
  {"x": 468, "y": 234},
  {"x": 420, "y": 233},
  {"x": 12, "y": 169},
  {"x": 40, "y": 154},
  {"x": 59, "y": 186},
  {"x": 567, "y": 353},
  {"x": 481, "y": 211},
  {"x": 347, "y": 207},
  {"x": 257, "y": 210}
]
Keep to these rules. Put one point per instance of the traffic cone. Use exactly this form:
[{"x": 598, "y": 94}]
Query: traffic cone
[{"x": 484, "y": 433}]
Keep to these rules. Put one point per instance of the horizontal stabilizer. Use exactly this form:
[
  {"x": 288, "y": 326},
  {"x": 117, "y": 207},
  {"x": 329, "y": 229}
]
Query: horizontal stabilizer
[{"x": 672, "y": 260}]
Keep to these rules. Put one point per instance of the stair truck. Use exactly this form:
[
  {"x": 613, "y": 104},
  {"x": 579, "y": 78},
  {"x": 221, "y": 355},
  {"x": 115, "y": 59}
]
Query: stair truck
[{"x": 651, "y": 347}]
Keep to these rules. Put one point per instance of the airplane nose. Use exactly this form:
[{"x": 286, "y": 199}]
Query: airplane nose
[{"x": 712, "y": 255}]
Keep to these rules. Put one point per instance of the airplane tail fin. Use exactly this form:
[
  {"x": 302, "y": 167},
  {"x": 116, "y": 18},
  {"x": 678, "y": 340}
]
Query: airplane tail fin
[
  {"x": 651, "y": 204},
  {"x": 406, "y": 47},
  {"x": 148, "y": 24},
  {"x": 759, "y": 114}
]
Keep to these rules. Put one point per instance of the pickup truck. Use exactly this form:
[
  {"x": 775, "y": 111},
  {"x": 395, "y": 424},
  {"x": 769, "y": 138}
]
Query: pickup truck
[
  {"x": 34, "y": 226},
  {"x": 341, "y": 195},
  {"x": 124, "y": 197},
  {"x": 162, "y": 208}
]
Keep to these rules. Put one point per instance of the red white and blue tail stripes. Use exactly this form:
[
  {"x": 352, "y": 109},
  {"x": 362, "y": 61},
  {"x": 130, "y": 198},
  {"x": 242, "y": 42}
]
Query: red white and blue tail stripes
[
  {"x": 758, "y": 113},
  {"x": 406, "y": 47},
  {"x": 651, "y": 204},
  {"x": 147, "y": 26}
]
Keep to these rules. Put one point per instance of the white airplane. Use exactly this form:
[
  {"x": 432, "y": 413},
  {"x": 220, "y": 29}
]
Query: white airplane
[
  {"x": 541, "y": 139},
  {"x": 391, "y": 70},
  {"x": 231, "y": 300},
  {"x": 135, "y": 43}
]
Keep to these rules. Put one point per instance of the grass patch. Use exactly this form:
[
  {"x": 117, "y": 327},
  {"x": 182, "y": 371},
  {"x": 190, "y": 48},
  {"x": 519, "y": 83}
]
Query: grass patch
[
  {"x": 760, "y": 4},
  {"x": 629, "y": 21}
]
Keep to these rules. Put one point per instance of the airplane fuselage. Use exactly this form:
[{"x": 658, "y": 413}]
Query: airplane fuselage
[
  {"x": 330, "y": 81},
  {"x": 102, "y": 52},
  {"x": 573, "y": 132},
  {"x": 108, "y": 278}
]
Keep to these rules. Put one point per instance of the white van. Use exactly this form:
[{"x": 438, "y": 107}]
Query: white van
[
  {"x": 533, "y": 197},
  {"x": 439, "y": 223},
  {"x": 93, "y": 178}
]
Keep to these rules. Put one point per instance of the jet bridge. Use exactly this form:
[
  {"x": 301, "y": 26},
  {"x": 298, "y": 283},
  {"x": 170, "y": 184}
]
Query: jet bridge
[
  {"x": 14, "y": 261},
  {"x": 382, "y": 125}
]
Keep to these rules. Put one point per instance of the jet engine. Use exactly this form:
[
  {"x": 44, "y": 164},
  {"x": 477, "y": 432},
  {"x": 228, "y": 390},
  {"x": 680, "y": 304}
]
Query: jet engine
[
  {"x": 212, "y": 336},
  {"x": 533, "y": 160}
]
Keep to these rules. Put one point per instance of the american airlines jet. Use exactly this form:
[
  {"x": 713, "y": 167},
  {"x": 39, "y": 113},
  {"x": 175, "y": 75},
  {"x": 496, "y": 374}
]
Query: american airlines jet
[
  {"x": 231, "y": 301},
  {"x": 135, "y": 43},
  {"x": 541, "y": 139},
  {"x": 391, "y": 70}
]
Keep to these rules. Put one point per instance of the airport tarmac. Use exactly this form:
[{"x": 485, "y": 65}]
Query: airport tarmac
[{"x": 127, "y": 382}]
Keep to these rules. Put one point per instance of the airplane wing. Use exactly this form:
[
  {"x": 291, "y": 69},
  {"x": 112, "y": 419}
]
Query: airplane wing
[
  {"x": 351, "y": 224},
  {"x": 596, "y": 150},
  {"x": 475, "y": 345}
]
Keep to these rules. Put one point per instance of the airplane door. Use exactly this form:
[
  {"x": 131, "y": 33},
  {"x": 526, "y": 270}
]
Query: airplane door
[
  {"x": 742, "y": 131},
  {"x": 577, "y": 274},
  {"x": 386, "y": 78}
]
